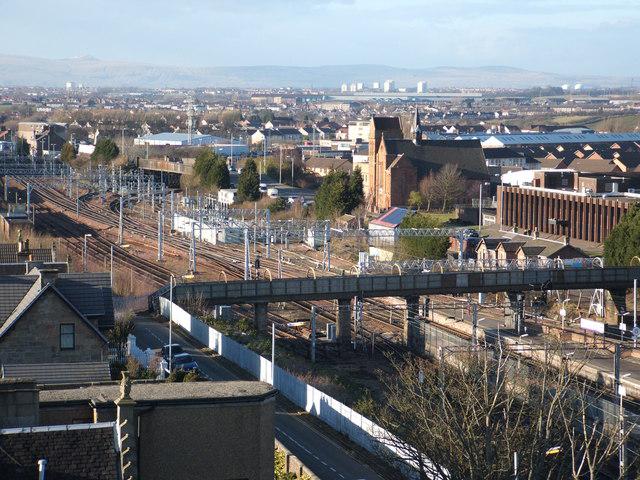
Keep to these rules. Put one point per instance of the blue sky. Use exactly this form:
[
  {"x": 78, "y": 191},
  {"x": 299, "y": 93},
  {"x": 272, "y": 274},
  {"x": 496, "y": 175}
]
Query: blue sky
[{"x": 563, "y": 36}]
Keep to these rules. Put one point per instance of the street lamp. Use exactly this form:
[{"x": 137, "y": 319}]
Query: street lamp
[{"x": 84, "y": 252}]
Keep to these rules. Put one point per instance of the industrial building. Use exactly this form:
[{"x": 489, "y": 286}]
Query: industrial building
[
  {"x": 567, "y": 204},
  {"x": 222, "y": 146}
]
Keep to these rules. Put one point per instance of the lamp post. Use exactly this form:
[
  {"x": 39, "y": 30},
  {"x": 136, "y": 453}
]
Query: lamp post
[{"x": 85, "y": 253}]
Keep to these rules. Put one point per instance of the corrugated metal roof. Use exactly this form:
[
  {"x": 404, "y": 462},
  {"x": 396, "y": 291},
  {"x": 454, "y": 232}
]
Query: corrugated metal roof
[
  {"x": 554, "y": 138},
  {"x": 58, "y": 373}
]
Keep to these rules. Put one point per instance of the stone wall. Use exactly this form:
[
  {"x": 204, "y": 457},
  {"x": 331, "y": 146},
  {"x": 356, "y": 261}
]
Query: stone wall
[
  {"x": 18, "y": 403},
  {"x": 35, "y": 337}
]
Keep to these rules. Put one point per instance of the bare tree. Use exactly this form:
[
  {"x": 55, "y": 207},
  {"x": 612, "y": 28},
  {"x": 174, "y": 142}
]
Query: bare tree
[
  {"x": 448, "y": 185},
  {"x": 465, "y": 419},
  {"x": 428, "y": 190}
]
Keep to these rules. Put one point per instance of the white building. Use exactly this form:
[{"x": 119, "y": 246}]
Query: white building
[
  {"x": 358, "y": 130},
  {"x": 227, "y": 196},
  {"x": 389, "y": 86},
  {"x": 359, "y": 86},
  {"x": 422, "y": 87},
  {"x": 375, "y": 85},
  {"x": 353, "y": 87},
  {"x": 344, "y": 88}
]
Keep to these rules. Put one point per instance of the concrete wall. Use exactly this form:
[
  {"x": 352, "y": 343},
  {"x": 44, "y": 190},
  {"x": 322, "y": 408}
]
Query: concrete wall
[
  {"x": 18, "y": 403},
  {"x": 337, "y": 415},
  {"x": 35, "y": 337},
  {"x": 236, "y": 439}
]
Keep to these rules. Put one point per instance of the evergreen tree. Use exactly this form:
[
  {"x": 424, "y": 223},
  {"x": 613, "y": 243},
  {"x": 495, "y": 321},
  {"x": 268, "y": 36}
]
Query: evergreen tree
[
  {"x": 105, "y": 151},
  {"x": 356, "y": 190},
  {"x": 249, "y": 182},
  {"x": 332, "y": 198},
  {"x": 623, "y": 242},
  {"x": 67, "y": 153},
  {"x": 212, "y": 169},
  {"x": 218, "y": 175},
  {"x": 22, "y": 147}
]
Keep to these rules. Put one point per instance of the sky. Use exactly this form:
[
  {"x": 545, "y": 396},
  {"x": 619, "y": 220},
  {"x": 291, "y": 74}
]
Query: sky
[{"x": 560, "y": 36}]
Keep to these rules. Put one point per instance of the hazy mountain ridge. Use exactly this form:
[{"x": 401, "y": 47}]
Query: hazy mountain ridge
[{"x": 93, "y": 72}]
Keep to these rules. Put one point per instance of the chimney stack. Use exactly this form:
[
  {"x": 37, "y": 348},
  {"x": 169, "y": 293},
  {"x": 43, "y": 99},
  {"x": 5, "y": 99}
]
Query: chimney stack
[{"x": 127, "y": 430}]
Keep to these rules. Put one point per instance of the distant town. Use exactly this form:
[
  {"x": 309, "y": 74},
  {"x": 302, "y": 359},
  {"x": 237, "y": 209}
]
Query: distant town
[{"x": 378, "y": 280}]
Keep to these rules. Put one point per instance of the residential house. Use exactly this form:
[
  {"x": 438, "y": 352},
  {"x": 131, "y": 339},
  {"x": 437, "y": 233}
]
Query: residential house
[
  {"x": 160, "y": 431},
  {"x": 486, "y": 249},
  {"x": 507, "y": 250},
  {"x": 322, "y": 166}
]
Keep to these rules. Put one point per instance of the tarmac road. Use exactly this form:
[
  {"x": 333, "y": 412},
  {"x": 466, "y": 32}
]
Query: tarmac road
[{"x": 327, "y": 459}]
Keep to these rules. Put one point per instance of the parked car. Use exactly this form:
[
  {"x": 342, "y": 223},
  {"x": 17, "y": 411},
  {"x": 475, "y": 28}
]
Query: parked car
[
  {"x": 176, "y": 349},
  {"x": 184, "y": 361}
]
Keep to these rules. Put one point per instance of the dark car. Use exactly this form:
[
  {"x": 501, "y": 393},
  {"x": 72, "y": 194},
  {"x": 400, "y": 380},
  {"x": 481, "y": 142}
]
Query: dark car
[
  {"x": 176, "y": 349},
  {"x": 184, "y": 361}
]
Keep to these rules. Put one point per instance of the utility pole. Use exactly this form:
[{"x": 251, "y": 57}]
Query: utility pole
[
  {"x": 111, "y": 264},
  {"x": 160, "y": 235},
  {"x": 280, "y": 180},
  {"x": 620, "y": 395},
  {"x": 247, "y": 271},
  {"x": 268, "y": 233},
  {"x": 474, "y": 325},
  {"x": 314, "y": 314},
  {"x": 172, "y": 212},
  {"x": 193, "y": 247},
  {"x": 121, "y": 222}
]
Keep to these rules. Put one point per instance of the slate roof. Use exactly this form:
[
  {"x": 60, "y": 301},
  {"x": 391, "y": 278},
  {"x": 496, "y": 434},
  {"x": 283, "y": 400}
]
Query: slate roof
[
  {"x": 592, "y": 165},
  {"x": 31, "y": 297},
  {"x": 73, "y": 452},
  {"x": 89, "y": 292},
  {"x": 12, "y": 291},
  {"x": 434, "y": 154},
  {"x": 9, "y": 254},
  {"x": 59, "y": 373},
  {"x": 386, "y": 123}
]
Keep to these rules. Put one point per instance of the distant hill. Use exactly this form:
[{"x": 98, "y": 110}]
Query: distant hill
[{"x": 93, "y": 72}]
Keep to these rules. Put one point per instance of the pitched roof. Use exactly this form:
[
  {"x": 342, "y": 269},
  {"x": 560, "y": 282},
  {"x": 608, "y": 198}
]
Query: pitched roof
[
  {"x": 90, "y": 292},
  {"x": 386, "y": 123},
  {"x": 81, "y": 451},
  {"x": 31, "y": 297},
  {"x": 328, "y": 162},
  {"x": 12, "y": 291},
  {"x": 491, "y": 243},
  {"x": 430, "y": 155},
  {"x": 9, "y": 254},
  {"x": 59, "y": 373},
  {"x": 510, "y": 246}
]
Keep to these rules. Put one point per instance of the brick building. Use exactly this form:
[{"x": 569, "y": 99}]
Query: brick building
[
  {"x": 576, "y": 206},
  {"x": 398, "y": 164}
]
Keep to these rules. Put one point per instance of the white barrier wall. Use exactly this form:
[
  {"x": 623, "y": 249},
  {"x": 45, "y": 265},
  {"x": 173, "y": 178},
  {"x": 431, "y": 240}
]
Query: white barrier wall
[
  {"x": 358, "y": 428},
  {"x": 182, "y": 224}
]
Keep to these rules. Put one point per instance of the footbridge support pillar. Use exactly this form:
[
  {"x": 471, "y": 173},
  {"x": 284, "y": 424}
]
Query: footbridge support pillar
[
  {"x": 413, "y": 325},
  {"x": 343, "y": 323},
  {"x": 516, "y": 300},
  {"x": 260, "y": 316}
]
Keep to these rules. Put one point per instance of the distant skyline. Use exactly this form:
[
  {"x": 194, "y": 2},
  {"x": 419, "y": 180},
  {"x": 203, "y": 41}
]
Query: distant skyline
[{"x": 567, "y": 37}]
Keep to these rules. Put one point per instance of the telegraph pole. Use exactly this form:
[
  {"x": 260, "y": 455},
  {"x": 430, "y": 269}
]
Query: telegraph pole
[{"x": 120, "y": 222}]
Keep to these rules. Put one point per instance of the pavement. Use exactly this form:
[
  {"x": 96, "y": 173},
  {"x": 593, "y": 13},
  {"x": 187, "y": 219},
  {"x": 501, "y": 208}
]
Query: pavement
[{"x": 326, "y": 458}]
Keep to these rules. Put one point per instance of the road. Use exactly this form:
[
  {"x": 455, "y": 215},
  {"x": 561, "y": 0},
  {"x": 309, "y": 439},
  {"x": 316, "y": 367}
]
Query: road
[{"x": 325, "y": 458}]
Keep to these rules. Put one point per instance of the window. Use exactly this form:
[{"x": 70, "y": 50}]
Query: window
[{"x": 67, "y": 336}]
